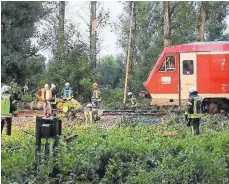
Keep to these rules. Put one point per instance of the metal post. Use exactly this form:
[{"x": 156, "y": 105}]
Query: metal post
[
  {"x": 9, "y": 126},
  {"x": 38, "y": 143}
]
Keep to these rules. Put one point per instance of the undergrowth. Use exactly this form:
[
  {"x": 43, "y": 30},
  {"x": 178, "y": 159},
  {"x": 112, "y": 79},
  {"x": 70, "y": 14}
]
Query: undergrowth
[{"x": 130, "y": 153}]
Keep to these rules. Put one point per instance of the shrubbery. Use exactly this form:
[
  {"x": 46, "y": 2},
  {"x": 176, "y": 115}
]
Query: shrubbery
[
  {"x": 27, "y": 98},
  {"x": 111, "y": 98},
  {"x": 128, "y": 154}
]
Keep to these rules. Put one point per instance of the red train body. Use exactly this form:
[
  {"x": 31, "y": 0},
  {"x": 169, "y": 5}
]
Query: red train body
[{"x": 204, "y": 65}]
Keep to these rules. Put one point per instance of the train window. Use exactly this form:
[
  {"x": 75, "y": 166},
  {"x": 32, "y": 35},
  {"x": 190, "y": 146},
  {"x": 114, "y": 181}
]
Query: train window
[
  {"x": 168, "y": 65},
  {"x": 188, "y": 67}
]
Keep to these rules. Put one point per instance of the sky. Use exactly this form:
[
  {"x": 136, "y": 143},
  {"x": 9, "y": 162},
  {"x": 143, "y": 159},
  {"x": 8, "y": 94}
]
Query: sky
[
  {"x": 108, "y": 37},
  {"x": 74, "y": 12}
]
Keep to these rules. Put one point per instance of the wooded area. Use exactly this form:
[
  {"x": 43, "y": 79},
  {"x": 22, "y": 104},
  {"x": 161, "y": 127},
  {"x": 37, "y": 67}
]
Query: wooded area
[
  {"x": 85, "y": 136},
  {"x": 154, "y": 25}
]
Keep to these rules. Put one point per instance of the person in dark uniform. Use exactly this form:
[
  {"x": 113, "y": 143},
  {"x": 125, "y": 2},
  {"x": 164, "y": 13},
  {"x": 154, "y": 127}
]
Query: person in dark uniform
[{"x": 193, "y": 111}]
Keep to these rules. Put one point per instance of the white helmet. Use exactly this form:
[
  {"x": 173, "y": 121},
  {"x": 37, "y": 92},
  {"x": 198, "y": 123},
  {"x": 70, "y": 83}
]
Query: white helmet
[
  {"x": 129, "y": 94},
  {"x": 46, "y": 86},
  {"x": 5, "y": 88},
  {"x": 192, "y": 89},
  {"x": 89, "y": 105},
  {"x": 53, "y": 86},
  {"x": 67, "y": 84}
]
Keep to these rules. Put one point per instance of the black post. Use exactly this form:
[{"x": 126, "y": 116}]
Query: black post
[
  {"x": 2, "y": 124},
  {"x": 47, "y": 128},
  {"x": 9, "y": 126},
  {"x": 47, "y": 151},
  {"x": 38, "y": 143},
  {"x": 57, "y": 125}
]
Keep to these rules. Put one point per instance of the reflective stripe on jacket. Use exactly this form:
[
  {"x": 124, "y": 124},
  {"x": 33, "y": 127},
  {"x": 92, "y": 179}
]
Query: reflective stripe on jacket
[
  {"x": 96, "y": 95},
  {"x": 133, "y": 102},
  {"x": 88, "y": 117},
  {"x": 44, "y": 95},
  {"x": 193, "y": 107}
]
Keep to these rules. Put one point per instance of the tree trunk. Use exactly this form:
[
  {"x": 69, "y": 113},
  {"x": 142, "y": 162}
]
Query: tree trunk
[
  {"x": 60, "y": 47},
  {"x": 93, "y": 34},
  {"x": 201, "y": 23},
  {"x": 166, "y": 23},
  {"x": 130, "y": 52}
]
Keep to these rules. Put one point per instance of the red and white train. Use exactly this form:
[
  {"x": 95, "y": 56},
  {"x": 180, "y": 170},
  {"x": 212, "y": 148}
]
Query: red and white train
[{"x": 204, "y": 65}]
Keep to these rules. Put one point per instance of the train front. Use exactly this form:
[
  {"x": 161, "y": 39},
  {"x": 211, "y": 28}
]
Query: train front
[{"x": 150, "y": 83}]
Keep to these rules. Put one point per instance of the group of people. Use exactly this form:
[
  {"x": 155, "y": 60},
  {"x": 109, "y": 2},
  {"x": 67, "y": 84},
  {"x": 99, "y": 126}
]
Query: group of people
[{"x": 48, "y": 95}]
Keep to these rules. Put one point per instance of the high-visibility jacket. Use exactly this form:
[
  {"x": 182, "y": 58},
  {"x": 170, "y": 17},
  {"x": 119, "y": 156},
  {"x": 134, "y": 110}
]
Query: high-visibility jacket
[
  {"x": 133, "y": 101},
  {"x": 67, "y": 93},
  {"x": 88, "y": 115},
  {"x": 43, "y": 94},
  {"x": 193, "y": 107},
  {"x": 96, "y": 96},
  {"x": 5, "y": 106}
]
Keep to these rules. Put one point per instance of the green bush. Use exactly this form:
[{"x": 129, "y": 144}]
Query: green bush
[
  {"x": 111, "y": 98},
  {"x": 128, "y": 154},
  {"x": 27, "y": 98}
]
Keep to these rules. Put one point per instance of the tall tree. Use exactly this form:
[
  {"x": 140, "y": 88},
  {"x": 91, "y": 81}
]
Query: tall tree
[
  {"x": 166, "y": 23},
  {"x": 216, "y": 24},
  {"x": 18, "y": 26},
  {"x": 201, "y": 23},
  {"x": 129, "y": 59},
  {"x": 60, "y": 47},
  {"x": 93, "y": 34}
]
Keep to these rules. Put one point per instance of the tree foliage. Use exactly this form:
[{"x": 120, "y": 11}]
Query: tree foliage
[
  {"x": 17, "y": 27},
  {"x": 76, "y": 71},
  {"x": 110, "y": 71}
]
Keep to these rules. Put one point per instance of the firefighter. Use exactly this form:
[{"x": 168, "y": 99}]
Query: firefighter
[
  {"x": 132, "y": 99},
  {"x": 8, "y": 108},
  {"x": 46, "y": 97},
  {"x": 96, "y": 96},
  {"x": 54, "y": 94},
  {"x": 88, "y": 115},
  {"x": 67, "y": 92},
  {"x": 193, "y": 111}
]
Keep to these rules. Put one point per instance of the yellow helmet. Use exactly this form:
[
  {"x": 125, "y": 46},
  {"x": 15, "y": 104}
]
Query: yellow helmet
[{"x": 95, "y": 85}]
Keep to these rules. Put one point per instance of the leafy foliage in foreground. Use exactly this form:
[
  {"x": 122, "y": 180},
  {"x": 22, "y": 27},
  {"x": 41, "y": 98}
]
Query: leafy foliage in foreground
[{"x": 130, "y": 153}]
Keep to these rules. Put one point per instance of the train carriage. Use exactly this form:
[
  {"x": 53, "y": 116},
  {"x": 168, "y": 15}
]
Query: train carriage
[{"x": 204, "y": 65}]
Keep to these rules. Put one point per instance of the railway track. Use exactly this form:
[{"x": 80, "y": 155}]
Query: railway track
[
  {"x": 30, "y": 113},
  {"x": 131, "y": 112},
  {"x": 28, "y": 117}
]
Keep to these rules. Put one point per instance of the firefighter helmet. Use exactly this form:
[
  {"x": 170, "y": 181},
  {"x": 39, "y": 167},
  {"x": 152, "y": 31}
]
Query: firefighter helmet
[
  {"x": 129, "y": 94},
  {"x": 5, "y": 89},
  {"x": 192, "y": 90},
  {"x": 53, "y": 86},
  {"x": 89, "y": 106},
  {"x": 95, "y": 85},
  {"x": 46, "y": 86}
]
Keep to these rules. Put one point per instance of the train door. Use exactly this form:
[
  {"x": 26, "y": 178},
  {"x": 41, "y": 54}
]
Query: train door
[{"x": 188, "y": 73}]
